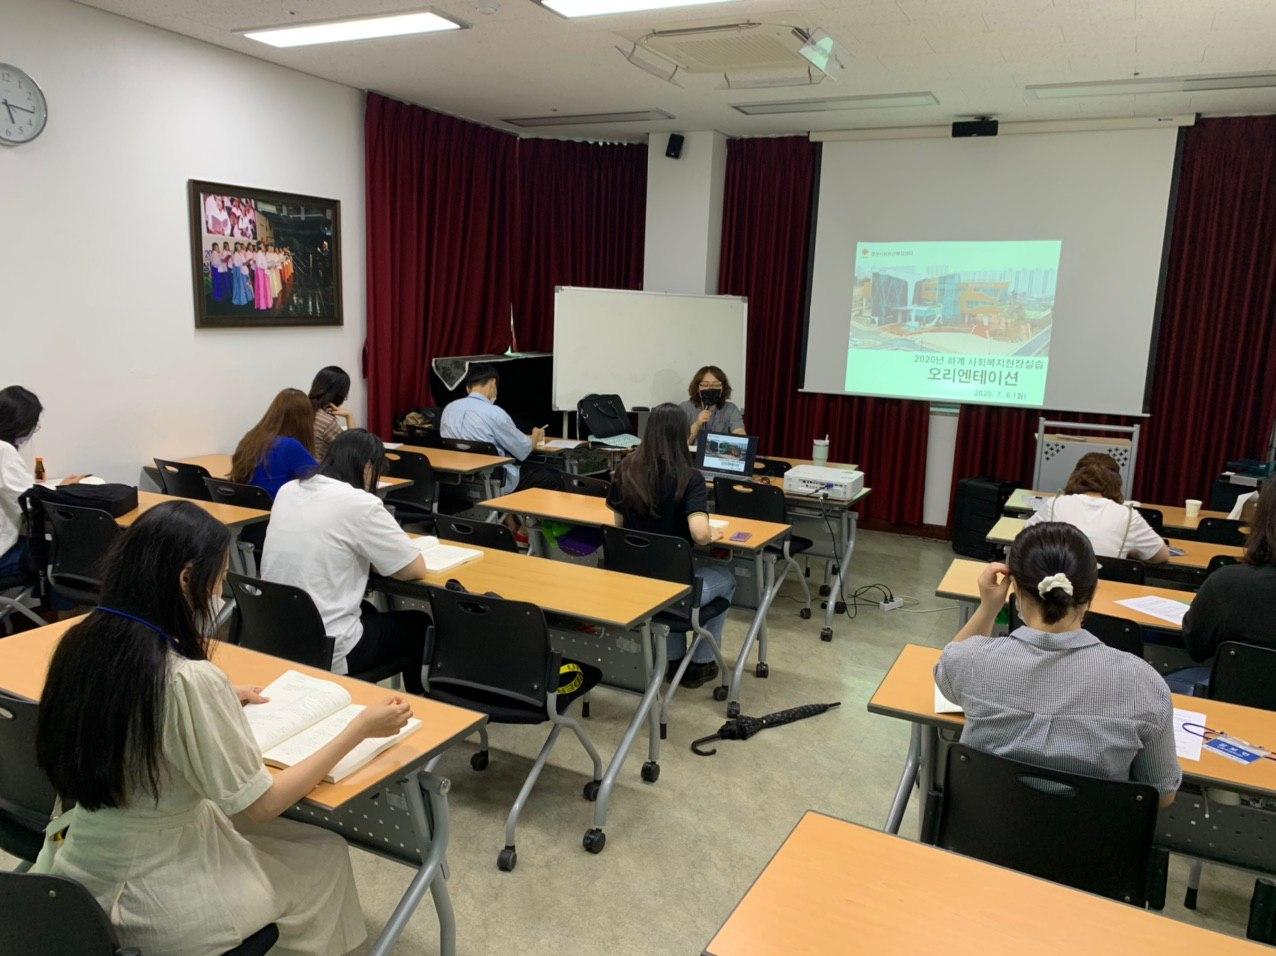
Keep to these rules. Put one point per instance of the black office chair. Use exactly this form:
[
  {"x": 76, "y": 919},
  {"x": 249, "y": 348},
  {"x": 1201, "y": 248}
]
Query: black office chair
[
  {"x": 749, "y": 499},
  {"x": 182, "y": 479},
  {"x": 1122, "y": 569},
  {"x": 1115, "y": 632},
  {"x": 584, "y": 485},
  {"x": 667, "y": 558},
  {"x": 770, "y": 467},
  {"x": 494, "y": 656},
  {"x": 282, "y": 620},
  {"x": 473, "y": 447},
  {"x": 81, "y": 539},
  {"x": 417, "y": 503},
  {"x": 484, "y": 534},
  {"x": 1047, "y": 823},
  {"x": 1220, "y": 561},
  {"x": 18, "y": 596},
  {"x": 66, "y": 920},
  {"x": 26, "y": 795},
  {"x": 1221, "y": 531},
  {"x": 252, "y": 537},
  {"x": 1155, "y": 518}
]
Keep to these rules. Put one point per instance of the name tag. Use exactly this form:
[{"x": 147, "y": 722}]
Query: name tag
[{"x": 1234, "y": 749}]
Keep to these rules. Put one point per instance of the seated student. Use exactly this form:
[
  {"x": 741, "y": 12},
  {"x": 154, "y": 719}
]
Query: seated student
[
  {"x": 176, "y": 829},
  {"x": 328, "y": 393},
  {"x": 1236, "y": 602},
  {"x": 1092, "y": 501},
  {"x": 1051, "y": 693},
  {"x": 325, "y": 532},
  {"x": 658, "y": 489},
  {"x": 278, "y": 448},
  {"x": 708, "y": 406}
]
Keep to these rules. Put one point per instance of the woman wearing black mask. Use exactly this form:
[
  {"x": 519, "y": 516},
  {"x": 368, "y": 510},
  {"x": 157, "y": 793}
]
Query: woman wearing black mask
[{"x": 708, "y": 406}]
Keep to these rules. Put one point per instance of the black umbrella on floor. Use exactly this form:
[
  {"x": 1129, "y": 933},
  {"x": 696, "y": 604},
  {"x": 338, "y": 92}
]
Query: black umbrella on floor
[{"x": 744, "y": 726}]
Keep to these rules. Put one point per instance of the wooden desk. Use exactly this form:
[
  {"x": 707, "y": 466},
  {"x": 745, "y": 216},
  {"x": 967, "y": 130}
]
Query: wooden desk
[
  {"x": 960, "y": 583},
  {"x": 232, "y": 516},
  {"x": 457, "y": 462},
  {"x": 219, "y": 467},
  {"x": 24, "y": 661},
  {"x": 1176, "y": 519},
  {"x": 1196, "y": 554},
  {"x": 837, "y": 887}
]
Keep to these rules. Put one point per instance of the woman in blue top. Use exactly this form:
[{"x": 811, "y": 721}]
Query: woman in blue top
[{"x": 280, "y": 447}]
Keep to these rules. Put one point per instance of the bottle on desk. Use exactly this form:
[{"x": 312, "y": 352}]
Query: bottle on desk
[{"x": 39, "y": 469}]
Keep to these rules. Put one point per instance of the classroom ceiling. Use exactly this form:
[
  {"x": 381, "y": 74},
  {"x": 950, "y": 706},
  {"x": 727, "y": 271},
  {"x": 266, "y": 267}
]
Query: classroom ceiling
[{"x": 975, "y": 56}]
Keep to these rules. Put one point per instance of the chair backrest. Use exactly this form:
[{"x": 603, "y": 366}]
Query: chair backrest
[
  {"x": 1245, "y": 674},
  {"x": 53, "y": 916},
  {"x": 1221, "y": 531},
  {"x": 1093, "y": 834},
  {"x": 749, "y": 499},
  {"x": 26, "y": 795},
  {"x": 1220, "y": 561},
  {"x": 227, "y": 492},
  {"x": 81, "y": 539},
  {"x": 647, "y": 555},
  {"x": 183, "y": 479},
  {"x": 414, "y": 466},
  {"x": 1116, "y": 632},
  {"x": 771, "y": 467},
  {"x": 475, "y": 447},
  {"x": 489, "y": 647},
  {"x": 584, "y": 485},
  {"x": 1155, "y": 518},
  {"x": 1122, "y": 569},
  {"x": 485, "y": 534},
  {"x": 281, "y": 620},
  {"x": 602, "y": 416}
]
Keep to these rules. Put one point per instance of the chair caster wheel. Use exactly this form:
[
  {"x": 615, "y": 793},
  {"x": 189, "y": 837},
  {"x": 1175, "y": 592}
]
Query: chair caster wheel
[
  {"x": 479, "y": 760},
  {"x": 720, "y": 693},
  {"x": 839, "y": 607},
  {"x": 805, "y": 614},
  {"x": 733, "y": 709},
  {"x": 761, "y": 670},
  {"x": 591, "y": 790},
  {"x": 650, "y": 771},
  {"x": 664, "y": 731},
  {"x": 826, "y": 634},
  {"x": 594, "y": 840},
  {"x": 825, "y": 590},
  {"x": 506, "y": 860}
]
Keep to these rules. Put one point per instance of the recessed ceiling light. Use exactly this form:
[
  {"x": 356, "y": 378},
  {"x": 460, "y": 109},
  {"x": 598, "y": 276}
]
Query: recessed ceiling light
[
  {"x": 583, "y": 119},
  {"x": 600, "y": 8},
  {"x": 1163, "y": 84},
  {"x": 364, "y": 28},
  {"x": 830, "y": 104}
]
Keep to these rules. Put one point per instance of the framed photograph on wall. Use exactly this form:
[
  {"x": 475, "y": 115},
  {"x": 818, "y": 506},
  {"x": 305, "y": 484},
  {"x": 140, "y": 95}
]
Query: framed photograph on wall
[{"x": 261, "y": 258}]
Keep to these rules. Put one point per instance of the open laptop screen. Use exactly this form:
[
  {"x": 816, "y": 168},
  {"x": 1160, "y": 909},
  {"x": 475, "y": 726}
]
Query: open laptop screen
[{"x": 727, "y": 454}]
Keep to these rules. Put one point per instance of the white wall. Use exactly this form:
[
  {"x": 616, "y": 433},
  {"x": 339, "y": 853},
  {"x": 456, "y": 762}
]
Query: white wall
[
  {"x": 684, "y": 215},
  {"x": 95, "y": 272}
]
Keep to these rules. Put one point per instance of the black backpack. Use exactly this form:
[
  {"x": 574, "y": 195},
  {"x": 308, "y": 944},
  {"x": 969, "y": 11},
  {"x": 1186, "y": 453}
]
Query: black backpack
[{"x": 602, "y": 416}]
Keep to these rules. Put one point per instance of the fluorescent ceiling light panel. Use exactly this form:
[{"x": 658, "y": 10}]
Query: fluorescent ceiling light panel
[
  {"x": 364, "y": 28},
  {"x": 601, "y": 8},
  {"x": 585, "y": 119},
  {"x": 832, "y": 104},
  {"x": 1164, "y": 84}
]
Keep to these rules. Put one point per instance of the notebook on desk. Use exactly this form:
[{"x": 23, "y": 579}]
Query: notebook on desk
[
  {"x": 731, "y": 456},
  {"x": 444, "y": 557}
]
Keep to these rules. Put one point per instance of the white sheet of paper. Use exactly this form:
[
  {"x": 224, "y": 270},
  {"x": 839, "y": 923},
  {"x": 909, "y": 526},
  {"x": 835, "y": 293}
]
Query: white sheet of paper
[
  {"x": 718, "y": 523},
  {"x": 300, "y": 746},
  {"x": 1163, "y": 608},
  {"x": 296, "y": 702},
  {"x": 1187, "y": 744},
  {"x": 563, "y": 443},
  {"x": 943, "y": 705},
  {"x": 392, "y": 445},
  {"x": 444, "y": 557}
]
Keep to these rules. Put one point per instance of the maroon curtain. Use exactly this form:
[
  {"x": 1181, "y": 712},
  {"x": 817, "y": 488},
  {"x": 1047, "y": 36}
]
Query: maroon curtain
[
  {"x": 766, "y": 235},
  {"x": 1213, "y": 396},
  {"x": 583, "y": 210},
  {"x": 441, "y": 195}
]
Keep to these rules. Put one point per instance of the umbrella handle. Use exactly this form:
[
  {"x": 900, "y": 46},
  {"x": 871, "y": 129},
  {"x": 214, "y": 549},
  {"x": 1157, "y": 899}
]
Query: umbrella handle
[{"x": 695, "y": 745}]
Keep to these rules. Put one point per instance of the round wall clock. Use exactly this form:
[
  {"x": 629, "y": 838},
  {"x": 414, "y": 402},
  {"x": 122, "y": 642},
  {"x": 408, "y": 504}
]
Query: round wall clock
[{"x": 23, "y": 109}]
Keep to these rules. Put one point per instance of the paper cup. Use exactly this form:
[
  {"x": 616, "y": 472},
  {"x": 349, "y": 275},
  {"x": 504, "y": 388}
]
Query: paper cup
[
  {"x": 1192, "y": 507},
  {"x": 820, "y": 450}
]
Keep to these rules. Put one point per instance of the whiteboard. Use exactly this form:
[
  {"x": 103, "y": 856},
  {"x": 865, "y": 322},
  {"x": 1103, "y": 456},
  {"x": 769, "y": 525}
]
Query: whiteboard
[{"x": 644, "y": 346}]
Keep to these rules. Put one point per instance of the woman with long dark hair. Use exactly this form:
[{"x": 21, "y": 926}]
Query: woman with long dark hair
[
  {"x": 328, "y": 394},
  {"x": 326, "y": 532},
  {"x": 278, "y": 448},
  {"x": 1051, "y": 693},
  {"x": 658, "y": 489},
  {"x": 176, "y": 827}
]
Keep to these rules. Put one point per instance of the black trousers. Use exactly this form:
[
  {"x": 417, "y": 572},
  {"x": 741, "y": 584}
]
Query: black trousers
[
  {"x": 532, "y": 474},
  {"x": 389, "y": 636}
]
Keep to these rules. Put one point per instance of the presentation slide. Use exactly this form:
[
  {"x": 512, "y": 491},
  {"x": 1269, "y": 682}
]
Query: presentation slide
[
  {"x": 726, "y": 453},
  {"x": 962, "y": 321}
]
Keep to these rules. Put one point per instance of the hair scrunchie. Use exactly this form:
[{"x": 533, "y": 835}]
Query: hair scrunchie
[{"x": 1053, "y": 582}]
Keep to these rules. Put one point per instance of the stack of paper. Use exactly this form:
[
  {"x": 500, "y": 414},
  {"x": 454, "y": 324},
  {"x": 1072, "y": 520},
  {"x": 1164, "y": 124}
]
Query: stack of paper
[
  {"x": 1161, "y": 608},
  {"x": 444, "y": 557}
]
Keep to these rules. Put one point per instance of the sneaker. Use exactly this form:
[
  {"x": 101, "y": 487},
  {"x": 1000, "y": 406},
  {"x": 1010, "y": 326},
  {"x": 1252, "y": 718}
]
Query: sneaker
[
  {"x": 698, "y": 675},
  {"x": 520, "y": 538}
]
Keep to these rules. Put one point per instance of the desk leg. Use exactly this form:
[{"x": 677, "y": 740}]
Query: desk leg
[
  {"x": 906, "y": 781},
  {"x": 595, "y": 839},
  {"x": 837, "y": 593},
  {"x": 433, "y": 840},
  {"x": 927, "y": 770},
  {"x": 536, "y": 544},
  {"x": 965, "y": 611},
  {"x": 764, "y": 571}
]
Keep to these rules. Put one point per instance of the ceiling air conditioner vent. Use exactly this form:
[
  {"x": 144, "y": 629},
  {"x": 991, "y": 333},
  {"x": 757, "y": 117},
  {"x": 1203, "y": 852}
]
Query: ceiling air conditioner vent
[{"x": 729, "y": 48}]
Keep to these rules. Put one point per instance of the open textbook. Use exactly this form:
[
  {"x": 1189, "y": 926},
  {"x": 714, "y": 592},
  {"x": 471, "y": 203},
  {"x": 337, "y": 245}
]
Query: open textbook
[
  {"x": 303, "y": 715},
  {"x": 444, "y": 557}
]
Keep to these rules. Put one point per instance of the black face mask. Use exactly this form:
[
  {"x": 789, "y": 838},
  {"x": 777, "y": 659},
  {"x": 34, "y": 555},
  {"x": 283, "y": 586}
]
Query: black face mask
[{"x": 710, "y": 396}]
